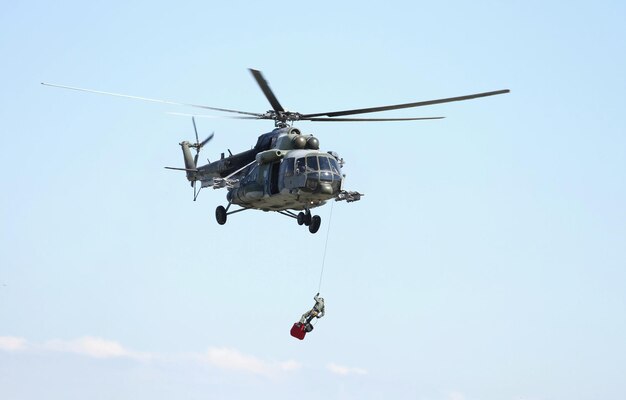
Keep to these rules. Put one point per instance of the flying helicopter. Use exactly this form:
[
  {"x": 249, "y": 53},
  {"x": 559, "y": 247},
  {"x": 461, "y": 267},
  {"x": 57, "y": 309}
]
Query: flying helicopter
[{"x": 285, "y": 172}]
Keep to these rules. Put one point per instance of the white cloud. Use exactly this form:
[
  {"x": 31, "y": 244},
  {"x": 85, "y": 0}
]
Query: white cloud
[
  {"x": 456, "y": 396},
  {"x": 231, "y": 359},
  {"x": 11, "y": 343},
  {"x": 224, "y": 358},
  {"x": 289, "y": 365},
  {"x": 94, "y": 347},
  {"x": 343, "y": 370}
]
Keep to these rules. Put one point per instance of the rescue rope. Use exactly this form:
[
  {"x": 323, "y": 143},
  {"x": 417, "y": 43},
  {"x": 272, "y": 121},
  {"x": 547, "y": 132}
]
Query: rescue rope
[{"x": 330, "y": 217}]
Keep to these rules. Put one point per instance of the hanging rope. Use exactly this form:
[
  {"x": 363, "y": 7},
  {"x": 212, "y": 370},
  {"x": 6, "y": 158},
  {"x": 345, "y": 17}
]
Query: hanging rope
[{"x": 325, "y": 246}]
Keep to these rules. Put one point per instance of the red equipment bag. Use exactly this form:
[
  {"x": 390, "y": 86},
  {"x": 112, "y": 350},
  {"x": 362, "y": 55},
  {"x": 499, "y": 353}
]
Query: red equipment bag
[{"x": 298, "y": 330}]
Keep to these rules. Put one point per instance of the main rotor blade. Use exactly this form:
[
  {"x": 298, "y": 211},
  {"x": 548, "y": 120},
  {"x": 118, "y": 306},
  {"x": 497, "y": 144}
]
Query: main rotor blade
[
  {"x": 367, "y": 119},
  {"x": 265, "y": 87},
  {"x": 216, "y": 116},
  {"x": 406, "y": 105},
  {"x": 193, "y": 119},
  {"x": 149, "y": 99}
]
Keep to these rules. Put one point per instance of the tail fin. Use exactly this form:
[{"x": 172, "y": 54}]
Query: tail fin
[{"x": 190, "y": 164}]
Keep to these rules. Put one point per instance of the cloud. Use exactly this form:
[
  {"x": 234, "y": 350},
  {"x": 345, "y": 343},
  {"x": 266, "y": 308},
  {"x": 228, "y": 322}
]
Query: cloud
[
  {"x": 224, "y": 358},
  {"x": 342, "y": 370},
  {"x": 94, "y": 347},
  {"x": 11, "y": 343},
  {"x": 289, "y": 365},
  {"x": 231, "y": 359},
  {"x": 456, "y": 396}
]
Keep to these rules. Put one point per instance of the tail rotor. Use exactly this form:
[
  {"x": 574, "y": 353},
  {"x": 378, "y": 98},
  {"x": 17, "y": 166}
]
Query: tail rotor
[{"x": 198, "y": 146}]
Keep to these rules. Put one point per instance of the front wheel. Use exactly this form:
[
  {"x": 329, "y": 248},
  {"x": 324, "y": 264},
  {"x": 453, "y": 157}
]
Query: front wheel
[{"x": 220, "y": 215}]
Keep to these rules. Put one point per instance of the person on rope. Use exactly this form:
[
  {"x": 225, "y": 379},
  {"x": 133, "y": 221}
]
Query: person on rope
[
  {"x": 304, "y": 326},
  {"x": 317, "y": 311}
]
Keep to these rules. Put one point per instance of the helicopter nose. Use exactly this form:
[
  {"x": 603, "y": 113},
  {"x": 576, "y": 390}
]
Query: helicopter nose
[
  {"x": 326, "y": 188},
  {"x": 324, "y": 183}
]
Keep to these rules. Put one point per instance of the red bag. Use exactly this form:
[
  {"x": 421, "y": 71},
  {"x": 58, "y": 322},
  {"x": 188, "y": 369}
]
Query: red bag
[{"x": 298, "y": 330}]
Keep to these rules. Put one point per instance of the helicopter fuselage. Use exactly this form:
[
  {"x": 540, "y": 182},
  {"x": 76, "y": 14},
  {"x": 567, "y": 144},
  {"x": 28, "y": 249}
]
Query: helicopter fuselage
[
  {"x": 302, "y": 179},
  {"x": 284, "y": 171}
]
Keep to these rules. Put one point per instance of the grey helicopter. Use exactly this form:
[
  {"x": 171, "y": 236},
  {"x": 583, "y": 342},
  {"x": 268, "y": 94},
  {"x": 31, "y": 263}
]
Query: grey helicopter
[{"x": 285, "y": 172}]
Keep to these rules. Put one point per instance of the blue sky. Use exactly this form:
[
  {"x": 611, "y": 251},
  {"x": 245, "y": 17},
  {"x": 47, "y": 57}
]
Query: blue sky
[{"x": 486, "y": 260}]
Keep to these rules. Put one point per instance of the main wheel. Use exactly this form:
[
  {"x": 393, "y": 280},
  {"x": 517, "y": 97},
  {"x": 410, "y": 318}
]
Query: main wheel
[
  {"x": 300, "y": 218},
  {"x": 220, "y": 215},
  {"x": 316, "y": 221}
]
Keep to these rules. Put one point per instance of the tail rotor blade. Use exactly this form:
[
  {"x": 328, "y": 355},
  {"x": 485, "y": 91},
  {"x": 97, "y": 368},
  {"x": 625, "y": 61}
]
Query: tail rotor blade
[
  {"x": 205, "y": 141},
  {"x": 198, "y": 145}
]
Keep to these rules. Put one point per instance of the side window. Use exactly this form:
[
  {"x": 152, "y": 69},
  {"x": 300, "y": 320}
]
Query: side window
[
  {"x": 288, "y": 166},
  {"x": 252, "y": 175},
  {"x": 300, "y": 166}
]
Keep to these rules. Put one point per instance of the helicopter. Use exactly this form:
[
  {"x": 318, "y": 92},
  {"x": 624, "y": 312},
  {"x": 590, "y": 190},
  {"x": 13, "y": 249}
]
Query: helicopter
[{"x": 285, "y": 171}]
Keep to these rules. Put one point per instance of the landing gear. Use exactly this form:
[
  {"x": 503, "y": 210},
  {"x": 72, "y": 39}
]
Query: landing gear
[
  {"x": 316, "y": 221},
  {"x": 304, "y": 218},
  {"x": 312, "y": 221},
  {"x": 220, "y": 215}
]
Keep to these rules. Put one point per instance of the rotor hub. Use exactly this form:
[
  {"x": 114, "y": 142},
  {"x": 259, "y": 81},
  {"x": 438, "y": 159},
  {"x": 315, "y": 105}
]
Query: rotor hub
[{"x": 282, "y": 118}]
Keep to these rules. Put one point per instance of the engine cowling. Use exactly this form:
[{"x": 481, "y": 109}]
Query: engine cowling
[
  {"x": 312, "y": 143},
  {"x": 269, "y": 156},
  {"x": 299, "y": 142}
]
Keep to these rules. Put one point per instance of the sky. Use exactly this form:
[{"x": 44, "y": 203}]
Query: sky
[{"x": 485, "y": 261}]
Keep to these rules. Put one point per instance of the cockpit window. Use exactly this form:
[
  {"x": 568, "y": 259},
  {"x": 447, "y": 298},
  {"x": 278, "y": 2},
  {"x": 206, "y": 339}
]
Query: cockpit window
[
  {"x": 317, "y": 163},
  {"x": 324, "y": 164},
  {"x": 311, "y": 163}
]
